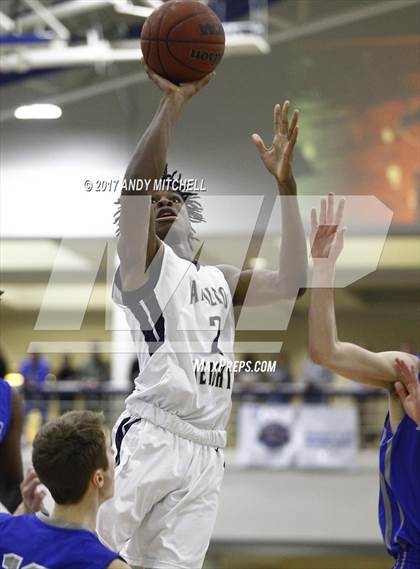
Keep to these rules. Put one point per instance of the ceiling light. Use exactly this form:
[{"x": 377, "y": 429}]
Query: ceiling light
[{"x": 38, "y": 111}]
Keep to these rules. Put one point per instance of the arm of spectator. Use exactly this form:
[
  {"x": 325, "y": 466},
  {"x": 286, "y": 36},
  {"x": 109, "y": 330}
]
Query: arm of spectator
[{"x": 10, "y": 458}]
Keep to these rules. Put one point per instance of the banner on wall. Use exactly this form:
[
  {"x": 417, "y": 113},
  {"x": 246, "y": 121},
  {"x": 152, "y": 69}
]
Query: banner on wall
[
  {"x": 285, "y": 436},
  {"x": 327, "y": 437},
  {"x": 266, "y": 435}
]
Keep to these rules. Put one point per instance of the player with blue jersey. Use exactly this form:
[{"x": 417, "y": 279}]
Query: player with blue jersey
[
  {"x": 74, "y": 461},
  {"x": 399, "y": 502}
]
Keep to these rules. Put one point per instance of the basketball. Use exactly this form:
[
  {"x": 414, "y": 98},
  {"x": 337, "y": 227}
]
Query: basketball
[{"x": 183, "y": 41}]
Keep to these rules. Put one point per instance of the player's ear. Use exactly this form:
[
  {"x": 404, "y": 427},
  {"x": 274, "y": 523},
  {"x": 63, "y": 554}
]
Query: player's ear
[{"x": 98, "y": 478}]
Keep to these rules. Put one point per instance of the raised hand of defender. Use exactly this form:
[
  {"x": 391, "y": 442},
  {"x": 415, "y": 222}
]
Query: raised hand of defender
[
  {"x": 182, "y": 92},
  {"x": 278, "y": 158},
  {"x": 408, "y": 389},
  {"x": 327, "y": 236}
]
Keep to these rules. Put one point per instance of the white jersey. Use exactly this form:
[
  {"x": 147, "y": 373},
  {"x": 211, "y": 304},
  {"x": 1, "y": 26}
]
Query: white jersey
[{"x": 183, "y": 329}]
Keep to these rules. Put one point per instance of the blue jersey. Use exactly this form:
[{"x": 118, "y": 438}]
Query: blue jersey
[
  {"x": 5, "y": 408},
  {"x": 399, "y": 502},
  {"x": 35, "y": 541}
]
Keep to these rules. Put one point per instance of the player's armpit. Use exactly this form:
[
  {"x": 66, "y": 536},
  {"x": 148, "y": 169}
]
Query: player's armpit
[
  {"x": 363, "y": 366},
  {"x": 118, "y": 564}
]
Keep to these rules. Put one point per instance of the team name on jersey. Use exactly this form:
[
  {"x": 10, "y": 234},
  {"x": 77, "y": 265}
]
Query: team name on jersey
[
  {"x": 211, "y": 295},
  {"x": 213, "y": 374}
]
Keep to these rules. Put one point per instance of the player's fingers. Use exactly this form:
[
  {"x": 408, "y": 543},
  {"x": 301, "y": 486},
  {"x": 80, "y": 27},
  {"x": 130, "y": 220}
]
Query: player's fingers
[
  {"x": 314, "y": 220},
  {"x": 340, "y": 237},
  {"x": 257, "y": 140},
  {"x": 330, "y": 208},
  {"x": 277, "y": 119},
  {"x": 401, "y": 391},
  {"x": 285, "y": 118},
  {"x": 339, "y": 213},
  {"x": 288, "y": 151},
  {"x": 293, "y": 123},
  {"x": 323, "y": 212},
  {"x": 203, "y": 82},
  {"x": 406, "y": 376},
  {"x": 30, "y": 486},
  {"x": 160, "y": 81}
]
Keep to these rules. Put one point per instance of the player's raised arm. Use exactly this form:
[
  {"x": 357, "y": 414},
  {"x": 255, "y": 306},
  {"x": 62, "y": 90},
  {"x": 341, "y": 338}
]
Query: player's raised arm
[
  {"x": 290, "y": 278},
  {"x": 349, "y": 360},
  {"x": 138, "y": 243}
]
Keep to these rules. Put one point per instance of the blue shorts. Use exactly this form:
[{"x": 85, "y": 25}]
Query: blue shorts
[{"x": 409, "y": 559}]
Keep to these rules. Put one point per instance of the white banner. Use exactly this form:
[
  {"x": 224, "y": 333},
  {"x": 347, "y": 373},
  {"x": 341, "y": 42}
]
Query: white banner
[
  {"x": 286, "y": 436},
  {"x": 326, "y": 437},
  {"x": 266, "y": 435}
]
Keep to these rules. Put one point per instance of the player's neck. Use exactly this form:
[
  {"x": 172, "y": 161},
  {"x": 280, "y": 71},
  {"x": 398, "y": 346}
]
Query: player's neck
[
  {"x": 81, "y": 514},
  {"x": 181, "y": 247}
]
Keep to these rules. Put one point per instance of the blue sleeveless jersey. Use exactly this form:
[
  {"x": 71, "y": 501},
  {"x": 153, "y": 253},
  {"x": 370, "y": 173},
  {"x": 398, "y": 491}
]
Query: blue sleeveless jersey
[
  {"x": 34, "y": 541},
  {"x": 5, "y": 408},
  {"x": 399, "y": 501}
]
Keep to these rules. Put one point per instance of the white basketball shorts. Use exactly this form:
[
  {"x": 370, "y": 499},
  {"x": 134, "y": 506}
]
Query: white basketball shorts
[{"x": 165, "y": 498}]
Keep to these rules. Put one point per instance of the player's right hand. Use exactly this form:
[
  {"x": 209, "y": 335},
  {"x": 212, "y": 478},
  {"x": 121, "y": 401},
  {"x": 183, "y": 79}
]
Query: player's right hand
[
  {"x": 32, "y": 492},
  {"x": 181, "y": 93},
  {"x": 408, "y": 389}
]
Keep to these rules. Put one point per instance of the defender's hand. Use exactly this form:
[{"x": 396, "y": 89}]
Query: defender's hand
[
  {"x": 278, "y": 158},
  {"x": 327, "y": 237},
  {"x": 408, "y": 389},
  {"x": 181, "y": 93}
]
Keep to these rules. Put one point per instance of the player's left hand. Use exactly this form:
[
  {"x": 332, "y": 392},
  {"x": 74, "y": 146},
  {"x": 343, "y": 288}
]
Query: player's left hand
[
  {"x": 278, "y": 158},
  {"x": 327, "y": 235},
  {"x": 408, "y": 389}
]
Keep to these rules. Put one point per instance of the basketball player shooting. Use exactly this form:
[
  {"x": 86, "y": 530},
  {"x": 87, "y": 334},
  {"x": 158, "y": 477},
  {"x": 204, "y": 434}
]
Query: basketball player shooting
[
  {"x": 399, "y": 503},
  {"x": 169, "y": 440}
]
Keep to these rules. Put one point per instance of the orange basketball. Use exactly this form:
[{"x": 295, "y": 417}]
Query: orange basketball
[{"x": 183, "y": 41}]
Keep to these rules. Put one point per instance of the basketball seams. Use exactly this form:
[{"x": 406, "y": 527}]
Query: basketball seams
[
  {"x": 147, "y": 42},
  {"x": 158, "y": 44},
  {"x": 183, "y": 21},
  {"x": 186, "y": 41}
]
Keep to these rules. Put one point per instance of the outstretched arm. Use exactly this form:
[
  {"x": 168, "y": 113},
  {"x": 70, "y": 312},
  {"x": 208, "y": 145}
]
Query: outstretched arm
[
  {"x": 344, "y": 358},
  {"x": 138, "y": 243},
  {"x": 270, "y": 286}
]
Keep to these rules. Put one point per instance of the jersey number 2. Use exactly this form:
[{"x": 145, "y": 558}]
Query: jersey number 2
[{"x": 216, "y": 320}]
